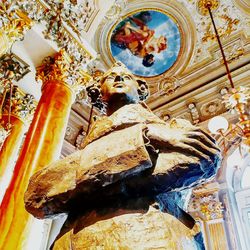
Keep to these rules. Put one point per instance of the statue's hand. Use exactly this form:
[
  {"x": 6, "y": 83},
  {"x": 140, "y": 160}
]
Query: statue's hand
[{"x": 181, "y": 136}]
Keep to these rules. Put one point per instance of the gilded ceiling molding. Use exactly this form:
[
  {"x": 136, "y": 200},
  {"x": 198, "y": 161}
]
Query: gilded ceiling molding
[
  {"x": 62, "y": 68},
  {"x": 233, "y": 52},
  {"x": 168, "y": 85},
  {"x": 116, "y": 9},
  {"x": 230, "y": 21},
  {"x": 202, "y": 6},
  {"x": 208, "y": 98},
  {"x": 225, "y": 30},
  {"x": 80, "y": 138},
  {"x": 243, "y": 5},
  {"x": 212, "y": 108},
  {"x": 164, "y": 115},
  {"x": 194, "y": 113}
]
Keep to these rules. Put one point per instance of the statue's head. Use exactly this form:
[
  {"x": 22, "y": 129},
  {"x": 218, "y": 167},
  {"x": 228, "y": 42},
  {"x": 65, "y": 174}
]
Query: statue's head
[{"x": 117, "y": 84}]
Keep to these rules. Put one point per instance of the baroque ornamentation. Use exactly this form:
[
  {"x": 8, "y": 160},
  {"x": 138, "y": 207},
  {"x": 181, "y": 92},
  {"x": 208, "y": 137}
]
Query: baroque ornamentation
[
  {"x": 233, "y": 53},
  {"x": 212, "y": 108},
  {"x": 210, "y": 208},
  {"x": 13, "y": 25},
  {"x": 224, "y": 91},
  {"x": 242, "y": 94},
  {"x": 80, "y": 138},
  {"x": 22, "y": 105},
  {"x": 116, "y": 9},
  {"x": 70, "y": 134},
  {"x": 194, "y": 113},
  {"x": 228, "y": 19},
  {"x": 229, "y": 25},
  {"x": 164, "y": 115},
  {"x": 202, "y": 6},
  {"x": 12, "y": 68},
  {"x": 168, "y": 86},
  {"x": 63, "y": 22},
  {"x": 61, "y": 18},
  {"x": 76, "y": 13},
  {"x": 207, "y": 204},
  {"x": 60, "y": 67}
]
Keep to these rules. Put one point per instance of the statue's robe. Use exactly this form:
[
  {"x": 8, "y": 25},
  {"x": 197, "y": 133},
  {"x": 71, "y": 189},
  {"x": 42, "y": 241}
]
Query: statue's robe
[{"x": 113, "y": 189}]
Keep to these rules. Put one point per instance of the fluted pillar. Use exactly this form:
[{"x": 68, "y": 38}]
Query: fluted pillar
[
  {"x": 22, "y": 111},
  {"x": 42, "y": 146},
  {"x": 217, "y": 235}
]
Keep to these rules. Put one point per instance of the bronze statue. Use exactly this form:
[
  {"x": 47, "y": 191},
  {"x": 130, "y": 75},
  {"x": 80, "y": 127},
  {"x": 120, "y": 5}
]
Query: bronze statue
[{"x": 130, "y": 161}]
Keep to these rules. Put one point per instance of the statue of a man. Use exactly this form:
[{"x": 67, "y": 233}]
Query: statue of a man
[{"x": 115, "y": 189}]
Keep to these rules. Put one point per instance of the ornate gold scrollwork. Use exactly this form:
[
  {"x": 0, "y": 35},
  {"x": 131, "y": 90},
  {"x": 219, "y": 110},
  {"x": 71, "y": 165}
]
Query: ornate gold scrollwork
[
  {"x": 202, "y": 6},
  {"x": 60, "y": 67},
  {"x": 13, "y": 30}
]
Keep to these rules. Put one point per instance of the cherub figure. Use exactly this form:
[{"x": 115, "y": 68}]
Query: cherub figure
[
  {"x": 128, "y": 164},
  {"x": 136, "y": 36}
]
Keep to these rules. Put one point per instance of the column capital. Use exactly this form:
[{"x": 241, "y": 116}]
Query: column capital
[
  {"x": 205, "y": 202},
  {"x": 22, "y": 105},
  {"x": 61, "y": 68}
]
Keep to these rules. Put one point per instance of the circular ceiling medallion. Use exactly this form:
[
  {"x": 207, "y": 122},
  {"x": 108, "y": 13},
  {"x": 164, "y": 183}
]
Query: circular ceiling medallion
[{"x": 148, "y": 42}]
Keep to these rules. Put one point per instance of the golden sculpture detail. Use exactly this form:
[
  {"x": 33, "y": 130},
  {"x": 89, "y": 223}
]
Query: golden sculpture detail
[
  {"x": 226, "y": 30},
  {"x": 168, "y": 86},
  {"x": 205, "y": 201},
  {"x": 54, "y": 68},
  {"x": 22, "y": 106},
  {"x": 13, "y": 31},
  {"x": 60, "y": 67},
  {"x": 233, "y": 53},
  {"x": 202, "y": 6}
]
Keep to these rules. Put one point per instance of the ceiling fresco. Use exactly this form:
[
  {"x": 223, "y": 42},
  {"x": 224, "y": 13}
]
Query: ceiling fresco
[
  {"x": 161, "y": 50},
  {"x": 148, "y": 42}
]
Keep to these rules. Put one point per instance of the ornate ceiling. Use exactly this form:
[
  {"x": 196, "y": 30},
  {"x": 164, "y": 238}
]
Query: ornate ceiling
[{"x": 192, "y": 87}]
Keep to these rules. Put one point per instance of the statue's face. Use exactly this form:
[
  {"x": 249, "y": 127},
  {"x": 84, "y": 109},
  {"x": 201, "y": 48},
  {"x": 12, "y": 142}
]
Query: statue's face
[{"x": 119, "y": 83}]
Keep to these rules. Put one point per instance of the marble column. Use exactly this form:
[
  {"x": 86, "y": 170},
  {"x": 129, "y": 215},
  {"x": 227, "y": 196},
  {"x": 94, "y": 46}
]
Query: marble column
[
  {"x": 42, "y": 146},
  {"x": 22, "y": 111}
]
